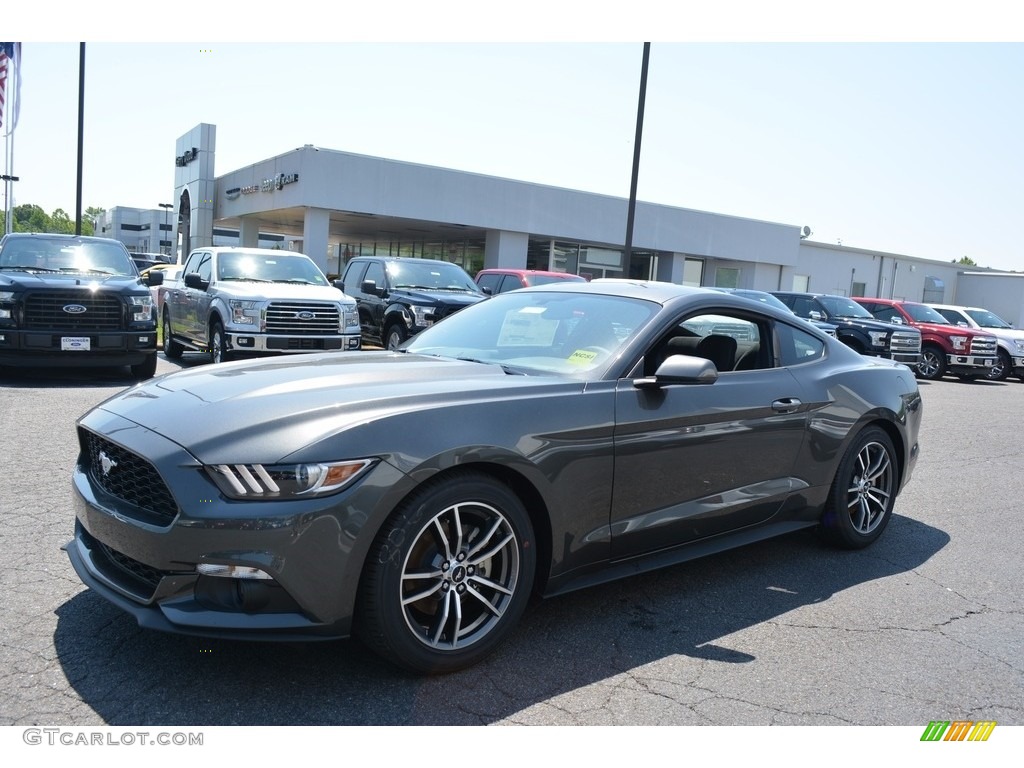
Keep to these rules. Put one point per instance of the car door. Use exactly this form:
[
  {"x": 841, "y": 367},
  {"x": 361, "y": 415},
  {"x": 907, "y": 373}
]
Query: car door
[
  {"x": 696, "y": 460},
  {"x": 192, "y": 326}
]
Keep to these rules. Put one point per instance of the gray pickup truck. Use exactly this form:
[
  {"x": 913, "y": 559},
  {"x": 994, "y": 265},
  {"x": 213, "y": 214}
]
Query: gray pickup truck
[{"x": 232, "y": 301}]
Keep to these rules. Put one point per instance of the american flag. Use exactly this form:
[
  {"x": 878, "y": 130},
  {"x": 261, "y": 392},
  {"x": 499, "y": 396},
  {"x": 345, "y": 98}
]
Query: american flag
[{"x": 10, "y": 59}]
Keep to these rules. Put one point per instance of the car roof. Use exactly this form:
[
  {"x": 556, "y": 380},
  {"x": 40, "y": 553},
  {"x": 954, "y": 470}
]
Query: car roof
[
  {"x": 60, "y": 236},
  {"x": 524, "y": 272}
]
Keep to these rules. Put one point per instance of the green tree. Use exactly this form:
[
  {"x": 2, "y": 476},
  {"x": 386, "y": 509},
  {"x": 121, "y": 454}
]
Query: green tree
[
  {"x": 967, "y": 261},
  {"x": 32, "y": 218}
]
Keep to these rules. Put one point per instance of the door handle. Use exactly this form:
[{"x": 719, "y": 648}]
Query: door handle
[{"x": 786, "y": 404}]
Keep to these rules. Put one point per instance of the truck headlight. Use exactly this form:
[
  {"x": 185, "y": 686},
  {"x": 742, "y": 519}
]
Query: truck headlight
[
  {"x": 878, "y": 338},
  {"x": 243, "y": 312},
  {"x": 958, "y": 342},
  {"x": 278, "y": 482},
  {"x": 422, "y": 316},
  {"x": 141, "y": 308},
  {"x": 1019, "y": 343},
  {"x": 6, "y": 295},
  {"x": 349, "y": 317}
]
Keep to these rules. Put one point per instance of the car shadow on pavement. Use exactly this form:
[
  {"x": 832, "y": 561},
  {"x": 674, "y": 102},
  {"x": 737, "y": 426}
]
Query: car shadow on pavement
[{"x": 683, "y": 614}]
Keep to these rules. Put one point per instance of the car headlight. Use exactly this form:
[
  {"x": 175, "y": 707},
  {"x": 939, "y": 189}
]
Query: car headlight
[
  {"x": 6, "y": 295},
  {"x": 958, "y": 342},
  {"x": 878, "y": 338},
  {"x": 141, "y": 307},
  {"x": 1019, "y": 343},
  {"x": 277, "y": 482},
  {"x": 244, "y": 312},
  {"x": 422, "y": 315}
]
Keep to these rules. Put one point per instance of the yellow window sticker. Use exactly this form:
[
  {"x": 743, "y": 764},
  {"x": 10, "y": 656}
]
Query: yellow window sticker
[{"x": 582, "y": 357}]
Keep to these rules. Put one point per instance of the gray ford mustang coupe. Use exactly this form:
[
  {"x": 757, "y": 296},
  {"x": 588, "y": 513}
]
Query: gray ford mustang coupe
[{"x": 538, "y": 442}]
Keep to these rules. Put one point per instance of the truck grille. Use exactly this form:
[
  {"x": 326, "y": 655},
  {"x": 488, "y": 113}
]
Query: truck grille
[
  {"x": 904, "y": 343},
  {"x": 983, "y": 346},
  {"x": 44, "y": 310},
  {"x": 302, "y": 317},
  {"x": 129, "y": 477}
]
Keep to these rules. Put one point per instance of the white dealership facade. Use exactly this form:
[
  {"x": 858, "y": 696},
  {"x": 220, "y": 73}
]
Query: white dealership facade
[{"x": 332, "y": 205}]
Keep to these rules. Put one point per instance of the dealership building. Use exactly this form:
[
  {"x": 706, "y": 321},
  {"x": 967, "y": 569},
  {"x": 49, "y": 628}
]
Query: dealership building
[{"x": 333, "y": 205}]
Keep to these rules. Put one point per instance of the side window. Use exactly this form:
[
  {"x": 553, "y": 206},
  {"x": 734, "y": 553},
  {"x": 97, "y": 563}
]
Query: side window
[
  {"x": 509, "y": 283},
  {"x": 192, "y": 265},
  {"x": 884, "y": 313},
  {"x": 733, "y": 341},
  {"x": 802, "y": 306},
  {"x": 797, "y": 346},
  {"x": 375, "y": 272},
  {"x": 353, "y": 276},
  {"x": 205, "y": 268},
  {"x": 490, "y": 281},
  {"x": 953, "y": 316}
]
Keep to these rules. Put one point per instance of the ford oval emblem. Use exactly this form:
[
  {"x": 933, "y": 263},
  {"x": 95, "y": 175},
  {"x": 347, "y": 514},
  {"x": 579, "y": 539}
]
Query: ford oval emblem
[
  {"x": 74, "y": 309},
  {"x": 305, "y": 315}
]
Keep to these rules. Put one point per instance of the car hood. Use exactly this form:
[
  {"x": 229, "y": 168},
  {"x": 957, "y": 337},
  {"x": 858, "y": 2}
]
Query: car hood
[
  {"x": 949, "y": 330},
  {"x": 870, "y": 323},
  {"x": 48, "y": 280},
  {"x": 240, "y": 289},
  {"x": 265, "y": 410},
  {"x": 448, "y": 298}
]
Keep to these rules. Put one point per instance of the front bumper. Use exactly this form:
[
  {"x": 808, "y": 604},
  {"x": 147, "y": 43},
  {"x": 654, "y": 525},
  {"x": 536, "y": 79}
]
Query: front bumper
[
  {"x": 240, "y": 341},
  {"x": 75, "y": 348},
  {"x": 970, "y": 361},
  {"x": 146, "y": 564}
]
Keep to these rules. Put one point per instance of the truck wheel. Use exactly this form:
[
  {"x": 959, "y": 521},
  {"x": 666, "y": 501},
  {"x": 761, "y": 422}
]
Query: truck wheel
[
  {"x": 933, "y": 363},
  {"x": 394, "y": 336},
  {"x": 218, "y": 344},
  {"x": 145, "y": 370},
  {"x": 172, "y": 349},
  {"x": 1001, "y": 369}
]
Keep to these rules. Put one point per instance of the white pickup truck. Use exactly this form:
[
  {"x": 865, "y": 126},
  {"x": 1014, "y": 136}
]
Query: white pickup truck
[
  {"x": 1010, "y": 340},
  {"x": 232, "y": 301}
]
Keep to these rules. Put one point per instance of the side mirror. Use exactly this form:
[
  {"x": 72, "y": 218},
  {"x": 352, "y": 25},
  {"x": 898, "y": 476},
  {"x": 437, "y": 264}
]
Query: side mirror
[
  {"x": 370, "y": 286},
  {"x": 155, "y": 277},
  {"x": 193, "y": 280},
  {"x": 680, "y": 369},
  {"x": 340, "y": 285},
  {"x": 815, "y": 315},
  {"x": 487, "y": 291},
  {"x": 896, "y": 321}
]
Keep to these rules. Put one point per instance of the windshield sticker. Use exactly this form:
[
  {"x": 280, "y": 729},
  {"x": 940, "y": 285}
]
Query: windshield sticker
[
  {"x": 522, "y": 329},
  {"x": 582, "y": 357}
]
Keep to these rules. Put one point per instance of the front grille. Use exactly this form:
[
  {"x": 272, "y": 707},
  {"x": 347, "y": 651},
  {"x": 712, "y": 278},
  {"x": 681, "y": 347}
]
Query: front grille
[
  {"x": 302, "y": 317},
  {"x": 45, "y": 310},
  {"x": 129, "y": 477},
  {"x": 905, "y": 343},
  {"x": 983, "y": 346}
]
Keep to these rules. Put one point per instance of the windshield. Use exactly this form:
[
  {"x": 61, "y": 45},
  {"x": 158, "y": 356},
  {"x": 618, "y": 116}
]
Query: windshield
[
  {"x": 433, "y": 275},
  {"x": 547, "y": 279},
  {"x": 274, "y": 268},
  {"x": 568, "y": 334},
  {"x": 921, "y": 313},
  {"x": 987, "y": 319},
  {"x": 39, "y": 254},
  {"x": 837, "y": 306}
]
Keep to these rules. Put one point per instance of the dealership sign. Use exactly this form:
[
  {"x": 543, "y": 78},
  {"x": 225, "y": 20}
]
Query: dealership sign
[
  {"x": 182, "y": 160},
  {"x": 266, "y": 185}
]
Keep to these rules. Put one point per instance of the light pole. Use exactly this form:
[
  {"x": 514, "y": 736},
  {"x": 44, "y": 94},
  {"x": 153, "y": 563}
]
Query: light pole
[
  {"x": 167, "y": 209},
  {"x": 8, "y": 208}
]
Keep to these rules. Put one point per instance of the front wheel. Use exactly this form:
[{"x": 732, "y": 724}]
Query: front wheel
[
  {"x": 448, "y": 576},
  {"x": 146, "y": 369},
  {"x": 1001, "y": 369},
  {"x": 218, "y": 344},
  {"x": 932, "y": 365},
  {"x": 394, "y": 336},
  {"x": 861, "y": 499}
]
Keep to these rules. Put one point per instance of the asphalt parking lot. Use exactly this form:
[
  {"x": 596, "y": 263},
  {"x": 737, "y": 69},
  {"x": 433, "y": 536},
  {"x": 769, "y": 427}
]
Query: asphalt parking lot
[{"x": 928, "y": 624}]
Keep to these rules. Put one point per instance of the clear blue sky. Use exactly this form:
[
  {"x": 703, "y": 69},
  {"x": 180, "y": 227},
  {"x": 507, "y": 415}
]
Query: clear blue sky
[{"x": 910, "y": 148}]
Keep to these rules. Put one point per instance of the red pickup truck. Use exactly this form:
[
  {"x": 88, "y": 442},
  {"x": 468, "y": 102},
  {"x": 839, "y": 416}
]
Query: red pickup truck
[{"x": 945, "y": 348}]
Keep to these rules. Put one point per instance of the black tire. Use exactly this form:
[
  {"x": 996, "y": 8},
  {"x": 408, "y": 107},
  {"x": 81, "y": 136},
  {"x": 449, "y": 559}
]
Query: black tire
[
  {"x": 146, "y": 369},
  {"x": 861, "y": 499},
  {"x": 172, "y": 349},
  {"x": 933, "y": 363},
  {"x": 394, "y": 335},
  {"x": 218, "y": 344},
  {"x": 1001, "y": 369},
  {"x": 463, "y": 547}
]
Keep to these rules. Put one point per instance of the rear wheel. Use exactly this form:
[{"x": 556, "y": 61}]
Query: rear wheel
[
  {"x": 933, "y": 363},
  {"x": 172, "y": 349},
  {"x": 448, "y": 576},
  {"x": 863, "y": 493}
]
